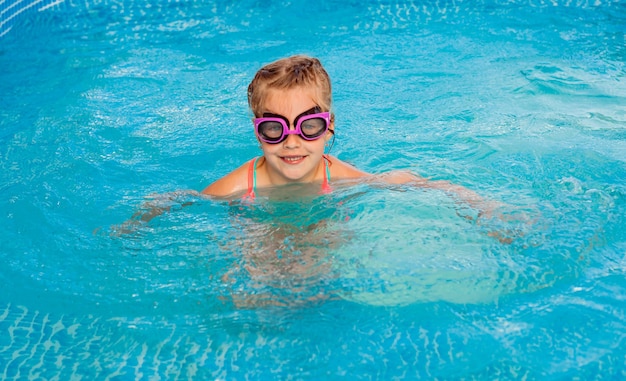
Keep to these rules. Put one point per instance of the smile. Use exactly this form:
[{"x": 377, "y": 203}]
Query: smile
[{"x": 293, "y": 159}]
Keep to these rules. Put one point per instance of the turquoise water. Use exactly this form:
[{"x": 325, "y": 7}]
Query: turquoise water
[{"x": 106, "y": 106}]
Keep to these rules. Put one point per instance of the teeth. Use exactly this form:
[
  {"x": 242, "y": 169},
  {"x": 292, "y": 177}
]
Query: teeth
[{"x": 296, "y": 158}]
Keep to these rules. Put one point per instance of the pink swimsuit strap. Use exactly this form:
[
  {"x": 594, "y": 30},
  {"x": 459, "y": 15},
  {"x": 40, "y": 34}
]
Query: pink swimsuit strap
[
  {"x": 251, "y": 178},
  {"x": 326, "y": 188}
]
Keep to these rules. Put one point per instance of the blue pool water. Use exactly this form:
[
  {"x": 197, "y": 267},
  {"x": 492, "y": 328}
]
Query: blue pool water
[{"x": 107, "y": 106}]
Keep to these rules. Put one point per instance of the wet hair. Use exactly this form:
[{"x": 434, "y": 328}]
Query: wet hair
[{"x": 289, "y": 73}]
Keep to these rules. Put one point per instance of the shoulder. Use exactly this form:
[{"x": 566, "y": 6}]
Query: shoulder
[
  {"x": 342, "y": 170},
  {"x": 234, "y": 182}
]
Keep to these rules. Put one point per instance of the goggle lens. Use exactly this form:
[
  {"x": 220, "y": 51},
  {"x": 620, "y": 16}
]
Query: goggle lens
[
  {"x": 270, "y": 131},
  {"x": 274, "y": 129}
]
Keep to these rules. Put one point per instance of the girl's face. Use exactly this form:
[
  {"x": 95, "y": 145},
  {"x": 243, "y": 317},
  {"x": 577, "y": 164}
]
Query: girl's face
[{"x": 294, "y": 159}]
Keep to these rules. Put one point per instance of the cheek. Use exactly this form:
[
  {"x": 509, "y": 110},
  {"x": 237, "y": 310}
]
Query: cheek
[
  {"x": 318, "y": 145},
  {"x": 265, "y": 147}
]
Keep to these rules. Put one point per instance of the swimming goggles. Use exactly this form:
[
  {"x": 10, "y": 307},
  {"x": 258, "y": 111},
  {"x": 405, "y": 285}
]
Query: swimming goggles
[{"x": 310, "y": 125}]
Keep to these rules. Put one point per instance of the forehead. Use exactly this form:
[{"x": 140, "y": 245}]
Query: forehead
[{"x": 289, "y": 102}]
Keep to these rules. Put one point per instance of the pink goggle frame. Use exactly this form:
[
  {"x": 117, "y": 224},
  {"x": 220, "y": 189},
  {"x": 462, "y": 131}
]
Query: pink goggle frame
[{"x": 310, "y": 125}]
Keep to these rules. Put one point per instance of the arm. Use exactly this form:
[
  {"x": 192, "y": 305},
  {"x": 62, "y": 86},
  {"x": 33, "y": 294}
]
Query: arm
[
  {"x": 485, "y": 208},
  {"x": 159, "y": 204},
  {"x": 470, "y": 198},
  {"x": 465, "y": 195},
  {"x": 156, "y": 205}
]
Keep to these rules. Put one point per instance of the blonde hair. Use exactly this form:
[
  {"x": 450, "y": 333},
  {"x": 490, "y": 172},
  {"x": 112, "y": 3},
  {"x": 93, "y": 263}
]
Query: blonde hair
[{"x": 288, "y": 73}]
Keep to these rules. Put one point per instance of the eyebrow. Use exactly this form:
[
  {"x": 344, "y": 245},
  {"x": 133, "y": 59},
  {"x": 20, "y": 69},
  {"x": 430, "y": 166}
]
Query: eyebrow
[{"x": 312, "y": 110}]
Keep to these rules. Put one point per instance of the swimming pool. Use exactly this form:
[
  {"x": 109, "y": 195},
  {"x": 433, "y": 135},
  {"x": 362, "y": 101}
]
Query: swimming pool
[{"x": 105, "y": 105}]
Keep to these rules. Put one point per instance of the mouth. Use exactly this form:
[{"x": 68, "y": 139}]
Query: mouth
[{"x": 292, "y": 159}]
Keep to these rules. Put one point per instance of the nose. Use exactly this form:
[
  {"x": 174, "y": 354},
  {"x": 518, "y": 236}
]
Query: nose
[{"x": 292, "y": 141}]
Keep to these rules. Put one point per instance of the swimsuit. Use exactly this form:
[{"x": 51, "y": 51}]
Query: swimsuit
[{"x": 252, "y": 177}]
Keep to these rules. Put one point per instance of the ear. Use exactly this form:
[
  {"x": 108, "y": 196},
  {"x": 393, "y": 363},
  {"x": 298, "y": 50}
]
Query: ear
[{"x": 331, "y": 131}]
